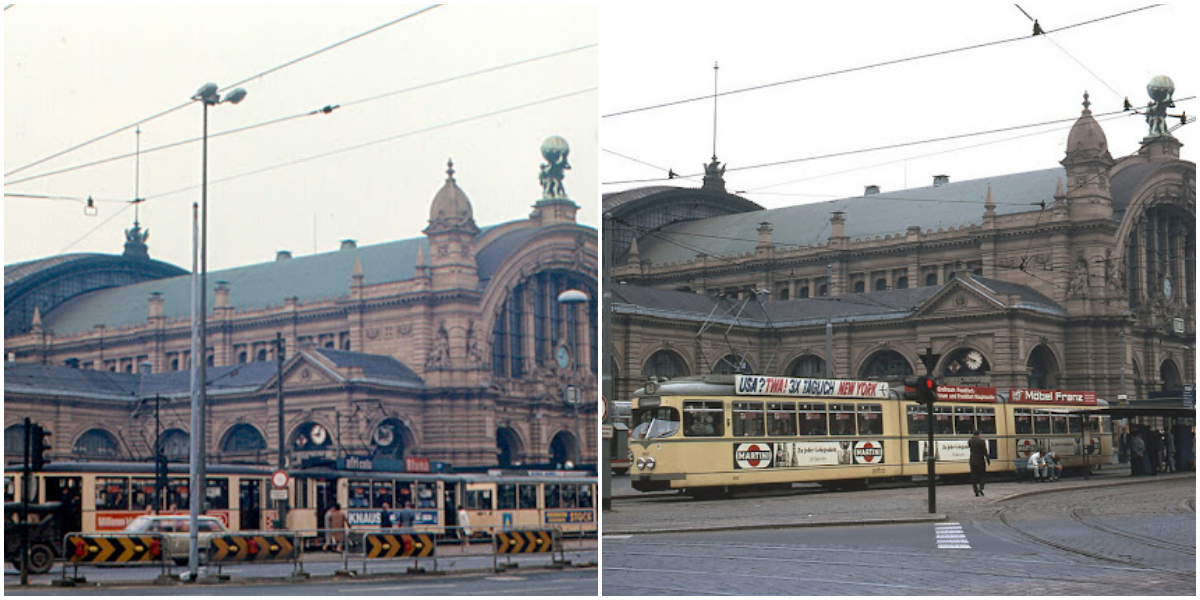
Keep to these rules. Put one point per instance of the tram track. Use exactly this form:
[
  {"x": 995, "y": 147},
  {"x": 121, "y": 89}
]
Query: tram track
[{"x": 1082, "y": 516}]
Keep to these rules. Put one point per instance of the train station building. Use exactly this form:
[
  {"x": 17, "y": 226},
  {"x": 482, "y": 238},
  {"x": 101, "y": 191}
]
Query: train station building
[
  {"x": 454, "y": 346},
  {"x": 1079, "y": 276}
]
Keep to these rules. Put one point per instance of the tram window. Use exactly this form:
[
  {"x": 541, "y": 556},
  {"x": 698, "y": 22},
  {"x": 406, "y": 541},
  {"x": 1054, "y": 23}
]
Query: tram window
[
  {"x": 383, "y": 491},
  {"x": 506, "y": 496},
  {"x": 426, "y": 495},
  {"x": 569, "y": 496},
  {"x": 870, "y": 419},
  {"x": 841, "y": 419},
  {"x": 1058, "y": 423},
  {"x": 585, "y": 496},
  {"x": 747, "y": 419},
  {"x": 942, "y": 421},
  {"x": 218, "y": 493},
  {"x": 178, "y": 497},
  {"x": 917, "y": 420},
  {"x": 552, "y": 496},
  {"x": 112, "y": 493},
  {"x": 781, "y": 418},
  {"x": 10, "y": 489},
  {"x": 142, "y": 493},
  {"x": 1023, "y": 421},
  {"x": 964, "y": 420},
  {"x": 479, "y": 499},
  {"x": 404, "y": 494},
  {"x": 1041, "y": 422},
  {"x": 359, "y": 494},
  {"x": 812, "y": 419},
  {"x": 653, "y": 423},
  {"x": 1075, "y": 423},
  {"x": 704, "y": 419},
  {"x": 986, "y": 420},
  {"x": 1095, "y": 423},
  {"x": 528, "y": 496}
]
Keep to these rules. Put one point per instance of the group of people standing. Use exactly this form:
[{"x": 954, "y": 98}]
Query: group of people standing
[
  {"x": 1149, "y": 450},
  {"x": 336, "y": 523}
]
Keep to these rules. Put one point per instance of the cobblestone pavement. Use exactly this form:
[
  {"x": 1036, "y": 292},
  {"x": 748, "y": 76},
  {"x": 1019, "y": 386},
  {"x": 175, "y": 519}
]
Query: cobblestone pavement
[{"x": 1112, "y": 535}]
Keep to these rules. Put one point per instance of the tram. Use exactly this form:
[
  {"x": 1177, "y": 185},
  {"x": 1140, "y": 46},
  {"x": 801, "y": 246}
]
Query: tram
[
  {"x": 717, "y": 433},
  {"x": 107, "y": 496}
]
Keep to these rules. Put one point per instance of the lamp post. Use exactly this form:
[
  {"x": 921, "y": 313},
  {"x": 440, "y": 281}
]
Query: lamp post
[
  {"x": 570, "y": 299},
  {"x": 207, "y": 95}
]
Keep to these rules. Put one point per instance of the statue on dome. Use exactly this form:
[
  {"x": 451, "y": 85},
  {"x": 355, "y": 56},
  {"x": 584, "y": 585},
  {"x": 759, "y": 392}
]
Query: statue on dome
[
  {"x": 136, "y": 235},
  {"x": 555, "y": 150},
  {"x": 1161, "y": 88}
]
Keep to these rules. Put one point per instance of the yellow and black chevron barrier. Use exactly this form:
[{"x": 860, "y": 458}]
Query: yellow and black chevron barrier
[
  {"x": 398, "y": 545},
  {"x": 524, "y": 542},
  {"x": 99, "y": 548},
  {"x": 252, "y": 548}
]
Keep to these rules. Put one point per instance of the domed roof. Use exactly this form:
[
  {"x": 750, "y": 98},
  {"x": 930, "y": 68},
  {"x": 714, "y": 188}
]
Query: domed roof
[
  {"x": 1087, "y": 139},
  {"x": 451, "y": 207}
]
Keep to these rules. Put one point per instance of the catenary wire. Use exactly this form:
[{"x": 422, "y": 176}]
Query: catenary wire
[
  {"x": 189, "y": 102},
  {"x": 872, "y": 66}
]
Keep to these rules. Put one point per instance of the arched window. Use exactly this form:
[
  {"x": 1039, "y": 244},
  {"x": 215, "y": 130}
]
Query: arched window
[
  {"x": 880, "y": 284},
  {"x": 860, "y": 287},
  {"x": 174, "y": 444},
  {"x": 823, "y": 290},
  {"x": 1043, "y": 369},
  {"x": 390, "y": 439},
  {"x": 532, "y": 324},
  {"x": 1169, "y": 374},
  {"x": 564, "y": 450},
  {"x": 14, "y": 441},
  {"x": 902, "y": 283},
  {"x": 886, "y": 365},
  {"x": 511, "y": 449},
  {"x": 243, "y": 439},
  {"x": 931, "y": 279},
  {"x": 1160, "y": 256},
  {"x": 804, "y": 291},
  {"x": 808, "y": 365},
  {"x": 665, "y": 364},
  {"x": 96, "y": 444}
]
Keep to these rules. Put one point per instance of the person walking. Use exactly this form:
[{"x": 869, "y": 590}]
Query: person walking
[
  {"x": 385, "y": 516},
  {"x": 464, "y": 524},
  {"x": 1169, "y": 442},
  {"x": 327, "y": 525},
  {"x": 979, "y": 462},
  {"x": 337, "y": 522},
  {"x": 1137, "y": 455},
  {"x": 1154, "y": 448},
  {"x": 406, "y": 516}
]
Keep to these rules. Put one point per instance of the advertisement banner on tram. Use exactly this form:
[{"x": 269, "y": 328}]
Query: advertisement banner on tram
[
  {"x": 1028, "y": 396},
  {"x": 769, "y": 455},
  {"x": 762, "y": 385}
]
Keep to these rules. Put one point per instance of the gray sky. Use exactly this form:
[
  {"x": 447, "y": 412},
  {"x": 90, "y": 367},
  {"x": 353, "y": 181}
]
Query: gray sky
[
  {"x": 73, "y": 73},
  {"x": 666, "y": 53}
]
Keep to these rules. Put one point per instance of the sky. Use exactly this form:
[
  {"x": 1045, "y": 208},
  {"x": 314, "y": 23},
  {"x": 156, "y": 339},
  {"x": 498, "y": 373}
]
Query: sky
[
  {"x": 666, "y": 53},
  {"x": 366, "y": 171}
]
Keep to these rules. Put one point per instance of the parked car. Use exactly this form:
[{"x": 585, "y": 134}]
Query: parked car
[{"x": 176, "y": 533}]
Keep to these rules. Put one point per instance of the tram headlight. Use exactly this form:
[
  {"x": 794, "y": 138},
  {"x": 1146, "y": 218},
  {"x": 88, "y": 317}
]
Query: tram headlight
[
  {"x": 641, "y": 462},
  {"x": 650, "y": 462}
]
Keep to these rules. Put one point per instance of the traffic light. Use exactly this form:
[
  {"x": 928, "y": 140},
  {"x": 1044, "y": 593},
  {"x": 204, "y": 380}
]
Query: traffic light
[
  {"x": 38, "y": 446},
  {"x": 922, "y": 389}
]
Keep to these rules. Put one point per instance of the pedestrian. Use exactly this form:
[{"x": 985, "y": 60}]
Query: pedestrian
[
  {"x": 464, "y": 524},
  {"x": 979, "y": 462},
  {"x": 1137, "y": 455},
  {"x": 385, "y": 516},
  {"x": 1154, "y": 446},
  {"x": 1037, "y": 465},
  {"x": 328, "y": 526},
  {"x": 407, "y": 516},
  {"x": 1053, "y": 465},
  {"x": 1169, "y": 439},
  {"x": 337, "y": 522},
  {"x": 1125, "y": 444}
]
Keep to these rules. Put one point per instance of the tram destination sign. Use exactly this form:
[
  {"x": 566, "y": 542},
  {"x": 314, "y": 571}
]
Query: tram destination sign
[{"x": 762, "y": 385}]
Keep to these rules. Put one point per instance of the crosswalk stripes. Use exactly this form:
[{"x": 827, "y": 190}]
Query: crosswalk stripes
[{"x": 951, "y": 536}]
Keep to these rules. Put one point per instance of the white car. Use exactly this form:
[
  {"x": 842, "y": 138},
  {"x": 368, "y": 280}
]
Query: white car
[{"x": 175, "y": 530}]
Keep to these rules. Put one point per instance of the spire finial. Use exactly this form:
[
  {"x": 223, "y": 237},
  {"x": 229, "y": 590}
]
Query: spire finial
[
  {"x": 450, "y": 168},
  {"x": 1086, "y": 103}
]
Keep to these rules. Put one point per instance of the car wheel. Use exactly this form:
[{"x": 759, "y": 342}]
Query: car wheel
[{"x": 41, "y": 559}]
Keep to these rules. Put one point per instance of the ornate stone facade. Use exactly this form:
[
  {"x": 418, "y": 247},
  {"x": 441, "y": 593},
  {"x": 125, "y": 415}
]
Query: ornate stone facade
[{"x": 390, "y": 343}]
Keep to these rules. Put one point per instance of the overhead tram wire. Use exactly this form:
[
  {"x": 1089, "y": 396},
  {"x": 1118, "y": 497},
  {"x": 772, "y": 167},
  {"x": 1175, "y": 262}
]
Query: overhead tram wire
[
  {"x": 874, "y": 65},
  {"x": 1037, "y": 31},
  {"x": 189, "y": 102},
  {"x": 887, "y": 147},
  {"x": 325, "y": 110}
]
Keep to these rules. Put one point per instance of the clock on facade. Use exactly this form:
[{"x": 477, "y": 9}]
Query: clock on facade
[
  {"x": 563, "y": 357},
  {"x": 974, "y": 360}
]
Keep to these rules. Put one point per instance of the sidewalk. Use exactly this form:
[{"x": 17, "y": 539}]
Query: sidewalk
[{"x": 673, "y": 513}]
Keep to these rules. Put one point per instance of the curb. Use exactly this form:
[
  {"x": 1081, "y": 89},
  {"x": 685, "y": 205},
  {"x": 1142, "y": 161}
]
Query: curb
[{"x": 933, "y": 518}]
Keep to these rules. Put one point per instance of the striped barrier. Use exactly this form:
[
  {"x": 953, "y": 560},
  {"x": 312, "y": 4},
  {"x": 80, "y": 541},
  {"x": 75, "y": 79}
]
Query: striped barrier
[
  {"x": 252, "y": 548},
  {"x": 524, "y": 542},
  {"x": 113, "y": 548},
  {"x": 398, "y": 545}
]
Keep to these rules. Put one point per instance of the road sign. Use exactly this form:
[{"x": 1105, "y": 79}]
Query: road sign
[
  {"x": 1189, "y": 395},
  {"x": 606, "y": 431},
  {"x": 279, "y": 479},
  {"x": 279, "y": 494}
]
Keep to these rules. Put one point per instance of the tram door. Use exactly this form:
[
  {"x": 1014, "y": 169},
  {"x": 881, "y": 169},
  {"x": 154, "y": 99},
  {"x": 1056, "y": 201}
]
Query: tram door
[
  {"x": 67, "y": 490},
  {"x": 326, "y": 490},
  {"x": 450, "y": 505},
  {"x": 250, "y": 503}
]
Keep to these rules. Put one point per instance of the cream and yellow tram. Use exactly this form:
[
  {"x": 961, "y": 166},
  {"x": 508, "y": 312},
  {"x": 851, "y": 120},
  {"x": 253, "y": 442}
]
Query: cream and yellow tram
[{"x": 713, "y": 433}]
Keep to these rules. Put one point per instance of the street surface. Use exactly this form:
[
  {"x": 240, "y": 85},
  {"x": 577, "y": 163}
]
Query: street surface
[
  {"x": 1119, "y": 536},
  {"x": 570, "y": 582}
]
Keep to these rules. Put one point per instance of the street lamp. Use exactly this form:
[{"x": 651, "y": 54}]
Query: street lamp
[
  {"x": 207, "y": 95},
  {"x": 570, "y": 299}
]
